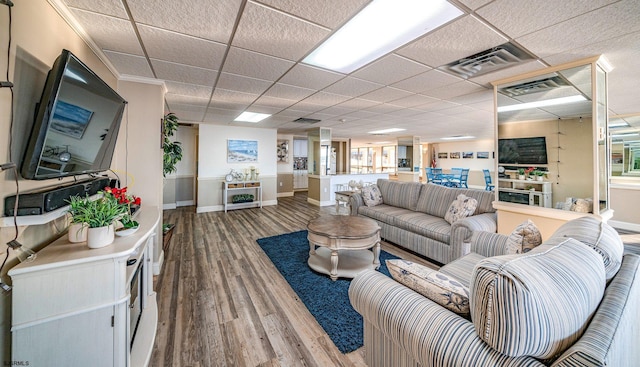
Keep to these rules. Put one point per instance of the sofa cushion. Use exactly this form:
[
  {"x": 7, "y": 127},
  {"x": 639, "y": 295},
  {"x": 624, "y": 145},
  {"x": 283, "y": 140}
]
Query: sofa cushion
[
  {"x": 462, "y": 207},
  {"x": 383, "y": 213},
  {"x": 424, "y": 225},
  {"x": 462, "y": 268},
  {"x": 438, "y": 287},
  {"x": 596, "y": 234},
  {"x": 524, "y": 238},
  {"x": 400, "y": 194},
  {"x": 371, "y": 195},
  {"x": 435, "y": 199},
  {"x": 539, "y": 303}
]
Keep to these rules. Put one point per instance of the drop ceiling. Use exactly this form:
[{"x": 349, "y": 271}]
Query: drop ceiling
[{"x": 220, "y": 58}]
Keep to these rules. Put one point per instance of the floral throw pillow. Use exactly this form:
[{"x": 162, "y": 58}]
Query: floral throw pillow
[
  {"x": 371, "y": 195},
  {"x": 440, "y": 288},
  {"x": 462, "y": 207},
  {"x": 524, "y": 238}
]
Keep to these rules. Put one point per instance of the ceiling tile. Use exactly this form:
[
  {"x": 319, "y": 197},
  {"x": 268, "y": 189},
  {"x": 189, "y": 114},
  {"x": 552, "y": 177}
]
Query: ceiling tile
[
  {"x": 193, "y": 90},
  {"x": 184, "y": 101},
  {"x": 109, "y": 33},
  {"x": 430, "y": 80},
  {"x": 454, "y": 90},
  {"x": 412, "y": 101},
  {"x": 255, "y": 65},
  {"x": 130, "y": 64},
  {"x": 352, "y": 87},
  {"x": 514, "y": 17},
  {"x": 242, "y": 83},
  {"x": 280, "y": 103},
  {"x": 358, "y": 103},
  {"x": 385, "y": 94},
  {"x": 481, "y": 96},
  {"x": 461, "y": 38},
  {"x": 316, "y": 11},
  {"x": 188, "y": 113},
  {"x": 113, "y": 8},
  {"x": 606, "y": 23},
  {"x": 183, "y": 73},
  {"x": 390, "y": 69},
  {"x": 211, "y": 20},
  {"x": 221, "y": 115},
  {"x": 274, "y": 33},
  {"x": 171, "y": 46},
  {"x": 229, "y": 99},
  {"x": 310, "y": 77},
  {"x": 474, "y": 4},
  {"x": 290, "y": 92}
]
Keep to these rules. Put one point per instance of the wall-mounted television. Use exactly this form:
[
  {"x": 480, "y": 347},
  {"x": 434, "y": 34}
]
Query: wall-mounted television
[
  {"x": 76, "y": 123},
  {"x": 526, "y": 151}
]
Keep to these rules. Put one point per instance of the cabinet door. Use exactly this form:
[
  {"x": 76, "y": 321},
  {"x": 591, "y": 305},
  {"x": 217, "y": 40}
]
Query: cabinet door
[{"x": 86, "y": 339}]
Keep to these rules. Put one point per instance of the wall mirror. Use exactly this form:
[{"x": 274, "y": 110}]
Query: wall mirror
[
  {"x": 625, "y": 145},
  {"x": 551, "y": 140}
]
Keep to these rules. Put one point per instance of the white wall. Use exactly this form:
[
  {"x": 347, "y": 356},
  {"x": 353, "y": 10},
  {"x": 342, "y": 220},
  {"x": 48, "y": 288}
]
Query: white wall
[
  {"x": 474, "y": 163},
  {"x": 213, "y": 165}
]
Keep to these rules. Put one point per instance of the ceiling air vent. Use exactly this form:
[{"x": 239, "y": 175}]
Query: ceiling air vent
[
  {"x": 496, "y": 58},
  {"x": 535, "y": 86},
  {"x": 304, "y": 120}
]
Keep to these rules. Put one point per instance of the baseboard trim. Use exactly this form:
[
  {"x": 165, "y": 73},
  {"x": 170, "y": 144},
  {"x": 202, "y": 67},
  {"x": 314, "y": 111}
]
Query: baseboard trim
[
  {"x": 169, "y": 206},
  {"x": 185, "y": 203},
  {"x": 624, "y": 225},
  {"x": 285, "y": 194}
]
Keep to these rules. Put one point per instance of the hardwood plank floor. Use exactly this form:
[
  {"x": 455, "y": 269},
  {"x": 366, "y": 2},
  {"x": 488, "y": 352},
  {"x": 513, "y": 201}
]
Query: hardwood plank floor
[{"x": 223, "y": 303}]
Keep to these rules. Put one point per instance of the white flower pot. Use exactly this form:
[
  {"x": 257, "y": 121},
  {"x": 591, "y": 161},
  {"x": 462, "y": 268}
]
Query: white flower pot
[
  {"x": 100, "y": 236},
  {"x": 521, "y": 177},
  {"x": 77, "y": 232},
  {"x": 539, "y": 178}
]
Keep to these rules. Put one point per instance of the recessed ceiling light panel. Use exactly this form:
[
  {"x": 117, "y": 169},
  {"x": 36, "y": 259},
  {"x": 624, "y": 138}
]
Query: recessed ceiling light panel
[
  {"x": 381, "y": 27},
  {"x": 458, "y": 137},
  {"x": 543, "y": 103},
  {"x": 386, "y": 131},
  {"x": 247, "y": 116}
]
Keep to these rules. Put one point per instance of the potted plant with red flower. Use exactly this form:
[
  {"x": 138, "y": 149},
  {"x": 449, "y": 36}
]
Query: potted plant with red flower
[{"x": 132, "y": 204}]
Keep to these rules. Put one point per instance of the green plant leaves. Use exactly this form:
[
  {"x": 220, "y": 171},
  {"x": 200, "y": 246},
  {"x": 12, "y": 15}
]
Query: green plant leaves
[{"x": 172, "y": 149}]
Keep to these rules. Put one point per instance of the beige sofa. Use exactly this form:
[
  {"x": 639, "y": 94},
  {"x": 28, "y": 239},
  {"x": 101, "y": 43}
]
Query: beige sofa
[
  {"x": 412, "y": 216},
  {"x": 561, "y": 304}
]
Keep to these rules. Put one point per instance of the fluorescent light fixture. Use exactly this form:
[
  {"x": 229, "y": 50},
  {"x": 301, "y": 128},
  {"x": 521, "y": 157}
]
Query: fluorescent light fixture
[
  {"x": 381, "y": 27},
  {"x": 545, "y": 103},
  {"x": 251, "y": 117},
  {"x": 624, "y": 135},
  {"x": 619, "y": 124},
  {"x": 459, "y": 137},
  {"x": 386, "y": 131}
]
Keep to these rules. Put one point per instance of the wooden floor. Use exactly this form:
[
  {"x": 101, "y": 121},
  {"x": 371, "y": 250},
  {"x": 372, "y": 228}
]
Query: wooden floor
[{"x": 221, "y": 302}]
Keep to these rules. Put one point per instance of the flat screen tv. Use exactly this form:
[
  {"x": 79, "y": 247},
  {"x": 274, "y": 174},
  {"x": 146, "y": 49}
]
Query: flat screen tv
[
  {"x": 76, "y": 123},
  {"x": 527, "y": 151}
]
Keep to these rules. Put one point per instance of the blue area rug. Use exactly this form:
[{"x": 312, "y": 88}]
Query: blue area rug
[{"x": 328, "y": 301}]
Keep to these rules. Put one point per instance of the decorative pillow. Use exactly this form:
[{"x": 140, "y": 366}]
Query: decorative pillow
[
  {"x": 438, "y": 287},
  {"x": 371, "y": 195},
  {"x": 536, "y": 304},
  {"x": 462, "y": 207},
  {"x": 524, "y": 238}
]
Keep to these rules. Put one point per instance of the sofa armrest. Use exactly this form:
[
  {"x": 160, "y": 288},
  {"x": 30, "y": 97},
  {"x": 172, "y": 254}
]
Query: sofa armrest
[
  {"x": 432, "y": 335},
  {"x": 355, "y": 202},
  {"x": 488, "y": 244},
  {"x": 463, "y": 229}
]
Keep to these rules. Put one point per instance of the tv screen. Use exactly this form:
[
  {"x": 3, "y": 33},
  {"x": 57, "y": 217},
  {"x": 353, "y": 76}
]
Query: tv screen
[
  {"x": 76, "y": 123},
  {"x": 530, "y": 151}
]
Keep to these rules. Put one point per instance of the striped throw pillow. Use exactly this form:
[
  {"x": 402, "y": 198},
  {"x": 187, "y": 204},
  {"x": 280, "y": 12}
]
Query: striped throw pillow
[
  {"x": 536, "y": 304},
  {"x": 438, "y": 287}
]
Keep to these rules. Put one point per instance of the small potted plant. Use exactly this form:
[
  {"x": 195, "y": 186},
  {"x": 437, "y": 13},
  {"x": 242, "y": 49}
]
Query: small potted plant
[
  {"x": 99, "y": 217},
  {"x": 77, "y": 231},
  {"x": 539, "y": 175},
  {"x": 521, "y": 174},
  {"x": 127, "y": 225}
]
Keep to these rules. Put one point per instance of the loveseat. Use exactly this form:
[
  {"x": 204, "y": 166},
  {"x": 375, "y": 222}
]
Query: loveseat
[
  {"x": 412, "y": 215},
  {"x": 560, "y": 304}
]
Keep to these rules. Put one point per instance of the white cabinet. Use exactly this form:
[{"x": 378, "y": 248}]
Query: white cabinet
[
  {"x": 300, "y": 148},
  {"x": 531, "y": 192},
  {"x": 300, "y": 179},
  {"x": 76, "y": 306}
]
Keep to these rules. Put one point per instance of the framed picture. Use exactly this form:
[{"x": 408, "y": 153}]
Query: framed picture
[
  {"x": 482, "y": 155},
  {"x": 444, "y": 155},
  {"x": 70, "y": 119},
  {"x": 242, "y": 151},
  {"x": 616, "y": 158},
  {"x": 467, "y": 155},
  {"x": 454, "y": 155},
  {"x": 283, "y": 151}
]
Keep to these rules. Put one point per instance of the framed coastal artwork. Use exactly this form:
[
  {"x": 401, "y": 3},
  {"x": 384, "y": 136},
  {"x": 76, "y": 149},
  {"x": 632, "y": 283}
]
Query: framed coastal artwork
[
  {"x": 482, "y": 155},
  {"x": 454, "y": 155},
  {"x": 467, "y": 155},
  {"x": 443, "y": 155},
  {"x": 240, "y": 151},
  {"x": 69, "y": 119}
]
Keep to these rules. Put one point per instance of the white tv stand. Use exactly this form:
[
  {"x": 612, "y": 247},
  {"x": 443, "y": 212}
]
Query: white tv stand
[
  {"x": 73, "y": 306},
  {"x": 515, "y": 191}
]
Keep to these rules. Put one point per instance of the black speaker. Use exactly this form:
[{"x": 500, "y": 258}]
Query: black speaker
[{"x": 58, "y": 198}]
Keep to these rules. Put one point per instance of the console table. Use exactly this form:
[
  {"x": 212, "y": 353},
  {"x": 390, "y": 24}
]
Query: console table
[
  {"x": 238, "y": 188},
  {"x": 76, "y": 306},
  {"x": 516, "y": 191}
]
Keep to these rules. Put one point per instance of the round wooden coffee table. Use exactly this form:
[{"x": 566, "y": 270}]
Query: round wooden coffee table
[{"x": 339, "y": 245}]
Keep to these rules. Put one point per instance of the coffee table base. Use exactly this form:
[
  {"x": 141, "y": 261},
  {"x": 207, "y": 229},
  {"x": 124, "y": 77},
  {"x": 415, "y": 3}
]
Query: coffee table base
[{"x": 349, "y": 262}]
